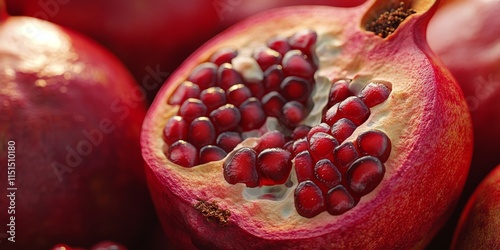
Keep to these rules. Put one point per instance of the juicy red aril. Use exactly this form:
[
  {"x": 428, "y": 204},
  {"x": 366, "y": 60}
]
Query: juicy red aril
[
  {"x": 201, "y": 132},
  {"x": 228, "y": 140},
  {"x": 300, "y": 131},
  {"x": 273, "y": 77},
  {"x": 339, "y": 92},
  {"x": 293, "y": 113},
  {"x": 304, "y": 166},
  {"x": 266, "y": 57},
  {"x": 344, "y": 155},
  {"x": 204, "y": 75},
  {"x": 224, "y": 55},
  {"x": 237, "y": 94},
  {"x": 176, "y": 129},
  {"x": 271, "y": 139},
  {"x": 274, "y": 165},
  {"x": 227, "y": 76},
  {"x": 211, "y": 153},
  {"x": 364, "y": 175},
  {"x": 342, "y": 129},
  {"x": 213, "y": 97},
  {"x": 192, "y": 108},
  {"x": 273, "y": 103},
  {"x": 308, "y": 199},
  {"x": 296, "y": 64},
  {"x": 252, "y": 114},
  {"x": 295, "y": 88},
  {"x": 321, "y": 145},
  {"x": 353, "y": 109},
  {"x": 374, "y": 143},
  {"x": 279, "y": 44},
  {"x": 240, "y": 167},
  {"x": 322, "y": 127},
  {"x": 300, "y": 145},
  {"x": 303, "y": 41},
  {"x": 183, "y": 92},
  {"x": 374, "y": 94},
  {"x": 225, "y": 117},
  {"x": 328, "y": 173},
  {"x": 183, "y": 153},
  {"x": 338, "y": 201},
  {"x": 256, "y": 88}
]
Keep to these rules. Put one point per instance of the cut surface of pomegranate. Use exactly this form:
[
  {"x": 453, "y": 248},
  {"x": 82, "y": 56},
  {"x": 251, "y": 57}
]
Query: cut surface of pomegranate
[{"x": 337, "y": 126}]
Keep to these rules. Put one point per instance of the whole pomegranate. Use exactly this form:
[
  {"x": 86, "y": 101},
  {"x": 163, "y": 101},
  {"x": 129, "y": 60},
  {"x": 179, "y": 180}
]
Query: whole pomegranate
[
  {"x": 311, "y": 127},
  {"x": 69, "y": 140},
  {"x": 152, "y": 37},
  {"x": 479, "y": 224}
]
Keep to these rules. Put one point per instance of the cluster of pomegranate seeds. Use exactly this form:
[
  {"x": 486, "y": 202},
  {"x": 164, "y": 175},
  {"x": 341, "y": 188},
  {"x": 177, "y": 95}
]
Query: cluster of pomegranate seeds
[{"x": 233, "y": 94}]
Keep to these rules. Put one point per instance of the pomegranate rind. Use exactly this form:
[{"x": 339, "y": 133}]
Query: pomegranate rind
[{"x": 425, "y": 117}]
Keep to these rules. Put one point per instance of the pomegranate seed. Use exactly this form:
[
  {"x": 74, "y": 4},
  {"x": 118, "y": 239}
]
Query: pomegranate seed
[
  {"x": 229, "y": 140},
  {"x": 322, "y": 145},
  {"x": 296, "y": 64},
  {"x": 266, "y": 57},
  {"x": 325, "y": 171},
  {"x": 364, "y": 175},
  {"x": 211, "y": 153},
  {"x": 339, "y": 92},
  {"x": 331, "y": 115},
  {"x": 295, "y": 88},
  {"x": 304, "y": 166},
  {"x": 299, "y": 146},
  {"x": 339, "y": 201},
  {"x": 353, "y": 109},
  {"x": 344, "y": 155},
  {"x": 374, "y": 94},
  {"x": 183, "y": 153},
  {"x": 239, "y": 167},
  {"x": 322, "y": 127},
  {"x": 201, "y": 132},
  {"x": 224, "y": 55},
  {"x": 293, "y": 113},
  {"x": 308, "y": 199},
  {"x": 237, "y": 94},
  {"x": 176, "y": 129},
  {"x": 252, "y": 115},
  {"x": 342, "y": 129},
  {"x": 273, "y": 103},
  {"x": 271, "y": 139},
  {"x": 225, "y": 118},
  {"x": 289, "y": 147},
  {"x": 183, "y": 92},
  {"x": 304, "y": 41},
  {"x": 204, "y": 75},
  {"x": 273, "y": 77},
  {"x": 213, "y": 97},
  {"x": 374, "y": 143},
  {"x": 300, "y": 131},
  {"x": 192, "y": 108},
  {"x": 227, "y": 76},
  {"x": 279, "y": 44},
  {"x": 274, "y": 165},
  {"x": 257, "y": 89}
]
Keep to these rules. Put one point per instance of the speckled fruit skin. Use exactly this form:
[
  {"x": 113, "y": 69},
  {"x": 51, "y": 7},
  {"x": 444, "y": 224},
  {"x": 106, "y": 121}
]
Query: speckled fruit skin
[
  {"x": 426, "y": 170},
  {"x": 479, "y": 225},
  {"x": 68, "y": 104}
]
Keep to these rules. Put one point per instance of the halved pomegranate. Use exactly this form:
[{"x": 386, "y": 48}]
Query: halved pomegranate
[{"x": 350, "y": 135}]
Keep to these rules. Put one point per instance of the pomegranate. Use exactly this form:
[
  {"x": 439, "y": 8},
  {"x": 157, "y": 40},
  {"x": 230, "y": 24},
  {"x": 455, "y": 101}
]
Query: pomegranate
[
  {"x": 70, "y": 127},
  {"x": 346, "y": 133},
  {"x": 480, "y": 221},
  {"x": 103, "y": 245}
]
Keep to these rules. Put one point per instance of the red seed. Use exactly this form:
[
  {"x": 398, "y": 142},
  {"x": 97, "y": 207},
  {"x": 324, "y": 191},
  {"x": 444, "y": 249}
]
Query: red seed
[
  {"x": 331, "y": 116},
  {"x": 344, "y": 155},
  {"x": 364, "y": 175},
  {"x": 273, "y": 103},
  {"x": 266, "y": 57},
  {"x": 273, "y": 166},
  {"x": 201, "y": 132},
  {"x": 342, "y": 129},
  {"x": 213, "y": 97},
  {"x": 300, "y": 131},
  {"x": 321, "y": 145},
  {"x": 273, "y": 77},
  {"x": 295, "y": 63},
  {"x": 270, "y": 139},
  {"x": 211, "y": 153},
  {"x": 293, "y": 113},
  {"x": 295, "y": 88},
  {"x": 339, "y": 92},
  {"x": 229, "y": 140},
  {"x": 308, "y": 199},
  {"x": 299, "y": 146},
  {"x": 191, "y": 109},
  {"x": 304, "y": 166},
  {"x": 322, "y": 127},
  {"x": 227, "y": 76},
  {"x": 183, "y": 153},
  {"x": 353, "y": 109},
  {"x": 204, "y": 75},
  {"x": 339, "y": 201},
  {"x": 279, "y": 44},
  {"x": 374, "y": 93},
  {"x": 175, "y": 129},
  {"x": 237, "y": 94},
  {"x": 225, "y": 118},
  {"x": 257, "y": 89},
  {"x": 224, "y": 55},
  {"x": 252, "y": 114},
  {"x": 374, "y": 143},
  {"x": 240, "y": 167},
  {"x": 326, "y": 172},
  {"x": 184, "y": 91},
  {"x": 303, "y": 40}
]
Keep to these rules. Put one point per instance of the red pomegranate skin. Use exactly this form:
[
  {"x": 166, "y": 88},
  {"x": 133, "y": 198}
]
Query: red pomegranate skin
[
  {"x": 152, "y": 37},
  {"x": 72, "y": 114},
  {"x": 479, "y": 224},
  {"x": 413, "y": 204}
]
